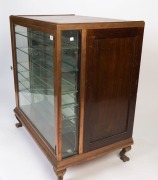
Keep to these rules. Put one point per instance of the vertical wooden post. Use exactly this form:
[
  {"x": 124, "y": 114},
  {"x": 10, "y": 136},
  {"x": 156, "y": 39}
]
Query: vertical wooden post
[
  {"x": 57, "y": 95},
  {"x": 82, "y": 88}
]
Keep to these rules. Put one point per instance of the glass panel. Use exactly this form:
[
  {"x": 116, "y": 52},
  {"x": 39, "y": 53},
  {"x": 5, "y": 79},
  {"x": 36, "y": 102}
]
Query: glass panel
[
  {"x": 34, "y": 52},
  {"x": 70, "y": 99}
]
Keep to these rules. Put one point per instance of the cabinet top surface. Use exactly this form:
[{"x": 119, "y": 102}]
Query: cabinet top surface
[{"x": 69, "y": 19}]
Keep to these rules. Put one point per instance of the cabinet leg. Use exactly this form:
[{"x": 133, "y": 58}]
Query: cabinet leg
[
  {"x": 60, "y": 173},
  {"x": 19, "y": 124},
  {"x": 123, "y": 157}
]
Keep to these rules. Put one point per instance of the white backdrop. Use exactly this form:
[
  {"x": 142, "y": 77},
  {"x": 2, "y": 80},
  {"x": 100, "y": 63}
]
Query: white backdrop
[{"x": 20, "y": 158}]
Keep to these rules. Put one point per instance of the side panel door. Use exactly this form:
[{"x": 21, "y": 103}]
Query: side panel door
[{"x": 112, "y": 68}]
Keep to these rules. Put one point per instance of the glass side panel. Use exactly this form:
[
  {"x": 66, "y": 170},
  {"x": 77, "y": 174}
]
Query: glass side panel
[
  {"x": 34, "y": 51},
  {"x": 70, "y": 101}
]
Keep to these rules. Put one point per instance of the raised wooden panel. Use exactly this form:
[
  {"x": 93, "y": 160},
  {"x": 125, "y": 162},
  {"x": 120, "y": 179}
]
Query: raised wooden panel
[{"x": 109, "y": 72}]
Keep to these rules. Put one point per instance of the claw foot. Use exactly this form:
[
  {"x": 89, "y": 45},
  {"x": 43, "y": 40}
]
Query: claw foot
[
  {"x": 19, "y": 124},
  {"x": 123, "y": 157}
]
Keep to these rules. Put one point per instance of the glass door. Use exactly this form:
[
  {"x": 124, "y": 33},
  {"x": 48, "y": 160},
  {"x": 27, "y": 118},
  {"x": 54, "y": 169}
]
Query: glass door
[
  {"x": 70, "y": 91},
  {"x": 34, "y": 52}
]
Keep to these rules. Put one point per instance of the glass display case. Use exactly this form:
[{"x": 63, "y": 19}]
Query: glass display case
[
  {"x": 35, "y": 72},
  {"x": 76, "y": 81}
]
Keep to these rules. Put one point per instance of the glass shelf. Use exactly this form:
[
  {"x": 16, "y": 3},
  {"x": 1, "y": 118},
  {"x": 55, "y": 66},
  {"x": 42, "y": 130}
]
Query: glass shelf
[
  {"x": 70, "y": 105},
  {"x": 69, "y": 137},
  {"x": 69, "y": 100},
  {"x": 36, "y": 97},
  {"x": 39, "y": 89},
  {"x": 36, "y": 76},
  {"x": 43, "y": 80},
  {"x": 70, "y": 60},
  {"x": 69, "y": 112},
  {"x": 25, "y": 31},
  {"x": 69, "y": 46},
  {"x": 35, "y": 38},
  {"x": 34, "y": 53},
  {"x": 70, "y": 78},
  {"x": 68, "y": 146},
  {"x": 37, "y": 58},
  {"x": 24, "y": 85},
  {"x": 69, "y": 126},
  {"x": 23, "y": 75}
]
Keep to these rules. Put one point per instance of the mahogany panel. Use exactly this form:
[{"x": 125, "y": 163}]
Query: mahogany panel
[{"x": 109, "y": 71}]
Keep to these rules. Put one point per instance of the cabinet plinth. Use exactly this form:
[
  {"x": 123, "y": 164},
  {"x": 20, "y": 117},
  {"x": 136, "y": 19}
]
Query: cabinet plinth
[{"x": 76, "y": 81}]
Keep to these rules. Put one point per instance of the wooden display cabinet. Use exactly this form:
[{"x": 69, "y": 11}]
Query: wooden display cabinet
[{"x": 76, "y": 81}]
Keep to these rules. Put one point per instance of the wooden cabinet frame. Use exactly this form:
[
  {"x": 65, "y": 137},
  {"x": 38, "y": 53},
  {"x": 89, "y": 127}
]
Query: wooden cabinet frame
[{"x": 55, "y": 156}]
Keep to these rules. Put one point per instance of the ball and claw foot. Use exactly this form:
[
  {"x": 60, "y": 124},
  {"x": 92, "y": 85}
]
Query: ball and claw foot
[
  {"x": 123, "y": 157},
  {"x": 19, "y": 124}
]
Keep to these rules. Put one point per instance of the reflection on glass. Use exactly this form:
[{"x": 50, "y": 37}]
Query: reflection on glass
[
  {"x": 70, "y": 91},
  {"x": 34, "y": 52}
]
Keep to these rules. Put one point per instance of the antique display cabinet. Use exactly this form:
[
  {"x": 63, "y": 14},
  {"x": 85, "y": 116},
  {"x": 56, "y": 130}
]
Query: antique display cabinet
[{"x": 76, "y": 81}]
